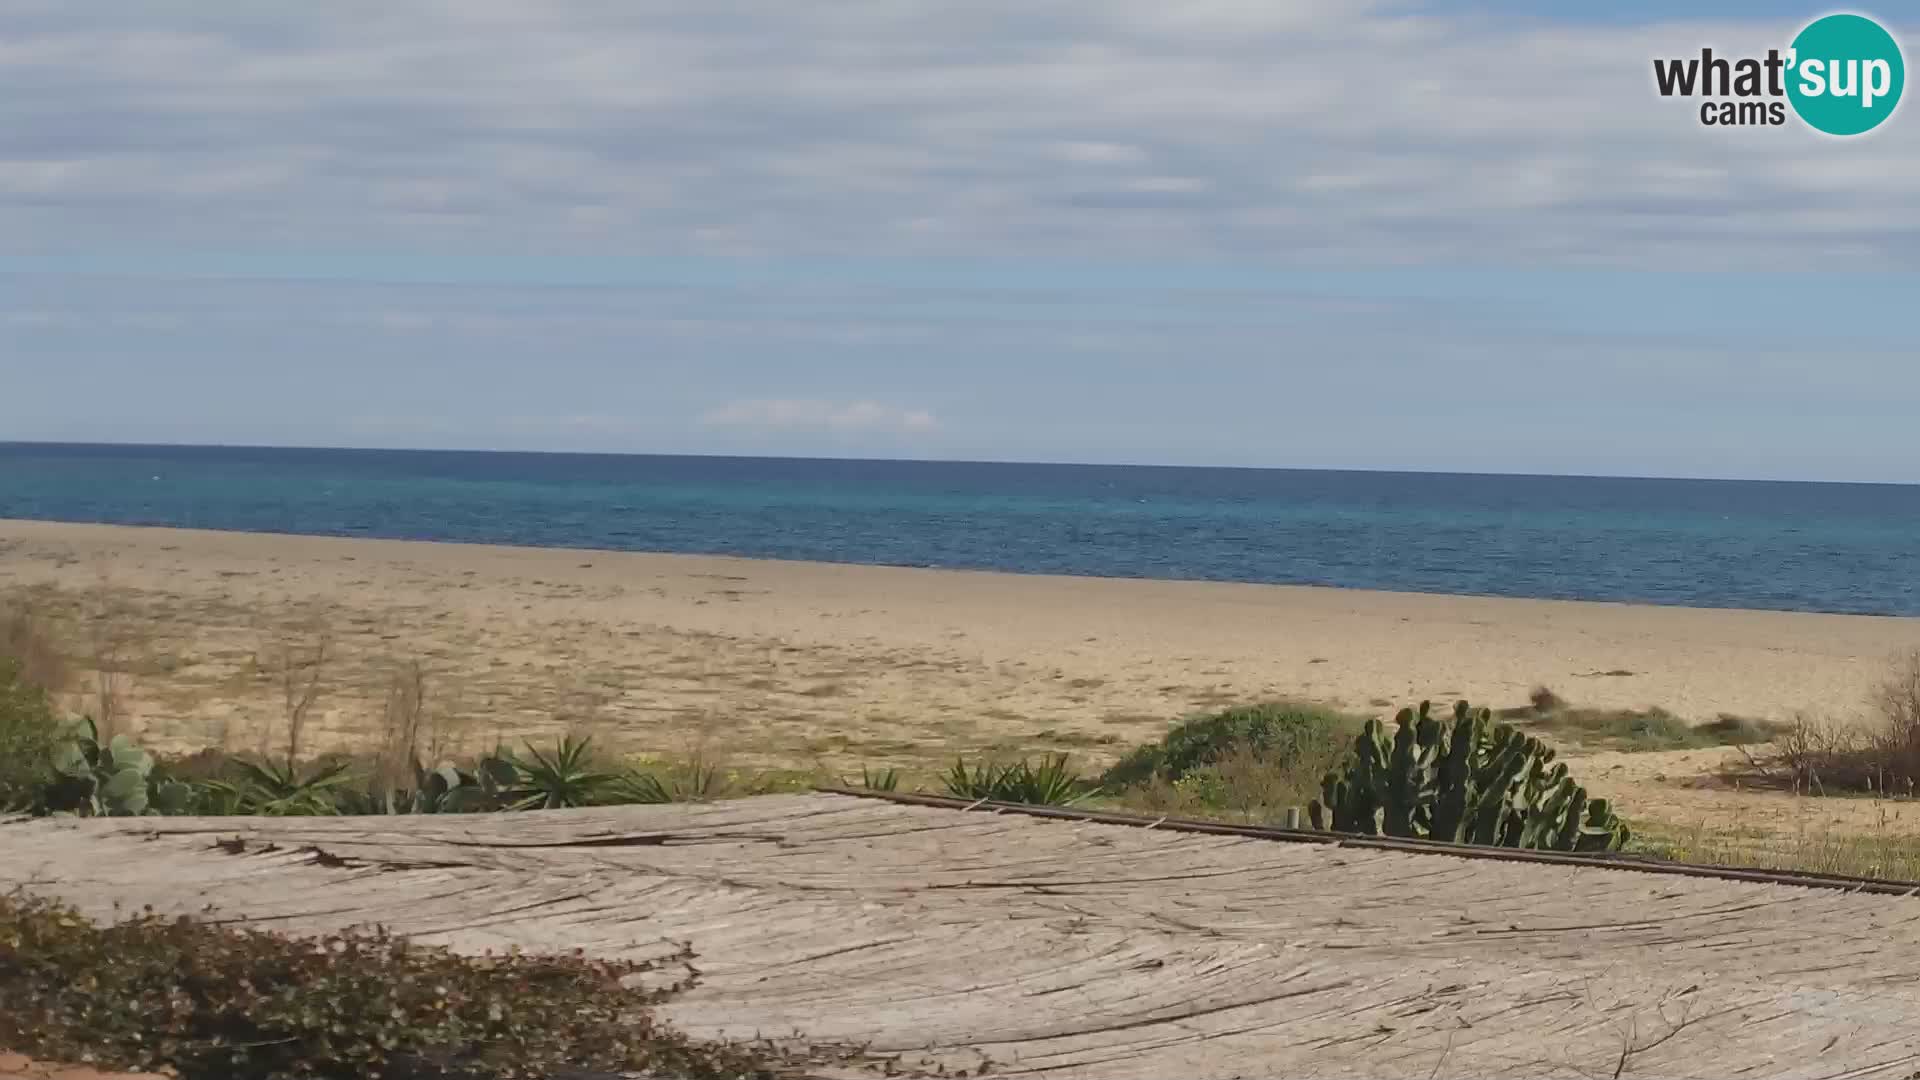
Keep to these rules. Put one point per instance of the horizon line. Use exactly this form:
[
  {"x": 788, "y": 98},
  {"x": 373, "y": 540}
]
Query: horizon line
[{"x": 15, "y": 443}]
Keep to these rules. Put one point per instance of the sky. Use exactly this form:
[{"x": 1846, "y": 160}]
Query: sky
[{"x": 1286, "y": 233}]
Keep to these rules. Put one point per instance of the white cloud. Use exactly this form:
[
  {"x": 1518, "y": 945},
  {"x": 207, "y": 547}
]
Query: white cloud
[
  {"x": 1310, "y": 131},
  {"x": 804, "y": 414},
  {"x": 36, "y": 318},
  {"x": 1100, "y": 153}
]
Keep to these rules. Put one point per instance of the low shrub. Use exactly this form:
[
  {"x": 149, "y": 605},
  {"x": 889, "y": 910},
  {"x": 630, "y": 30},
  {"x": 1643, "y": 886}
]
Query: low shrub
[
  {"x": 177, "y": 993},
  {"x": 1247, "y": 786},
  {"x": 1273, "y": 733},
  {"x": 29, "y": 730}
]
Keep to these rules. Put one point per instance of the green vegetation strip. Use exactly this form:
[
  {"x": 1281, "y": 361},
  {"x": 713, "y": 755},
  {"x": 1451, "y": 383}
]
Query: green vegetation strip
[{"x": 1881, "y": 886}]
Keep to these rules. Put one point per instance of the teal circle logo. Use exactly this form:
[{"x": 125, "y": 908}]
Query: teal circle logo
[{"x": 1845, "y": 74}]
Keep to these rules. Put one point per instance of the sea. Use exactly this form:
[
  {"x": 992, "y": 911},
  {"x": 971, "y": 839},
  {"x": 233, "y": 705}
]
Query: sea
[{"x": 1699, "y": 543}]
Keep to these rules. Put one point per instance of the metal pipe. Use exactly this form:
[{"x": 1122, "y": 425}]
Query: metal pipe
[{"x": 1882, "y": 886}]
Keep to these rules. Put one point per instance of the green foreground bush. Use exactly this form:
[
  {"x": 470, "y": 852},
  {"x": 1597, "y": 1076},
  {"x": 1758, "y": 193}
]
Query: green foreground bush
[
  {"x": 1275, "y": 733},
  {"x": 212, "y": 1003},
  {"x": 29, "y": 731},
  {"x": 1248, "y": 764}
]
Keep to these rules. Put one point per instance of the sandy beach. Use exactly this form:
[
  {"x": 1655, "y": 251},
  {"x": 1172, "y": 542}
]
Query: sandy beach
[{"x": 797, "y": 665}]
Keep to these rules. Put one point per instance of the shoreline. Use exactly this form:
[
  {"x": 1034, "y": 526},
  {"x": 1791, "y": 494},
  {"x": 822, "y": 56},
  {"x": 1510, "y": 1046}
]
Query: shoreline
[
  {"x": 1170, "y": 645},
  {"x": 7, "y": 524}
]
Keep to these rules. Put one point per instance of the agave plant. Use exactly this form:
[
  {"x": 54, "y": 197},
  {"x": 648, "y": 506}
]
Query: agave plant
[
  {"x": 694, "y": 780},
  {"x": 1051, "y": 783},
  {"x": 639, "y": 787},
  {"x": 219, "y": 798},
  {"x": 560, "y": 778},
  {"x": 879, "y": 779},
  {"x": 276, "y": 789}
]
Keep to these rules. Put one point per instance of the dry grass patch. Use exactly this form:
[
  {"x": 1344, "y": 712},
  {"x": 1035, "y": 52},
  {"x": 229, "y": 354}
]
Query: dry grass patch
[
  {"x": 30, "y": 638},
  {"x": 1813, "y": 849},
  {"x": 1633, "y": 729}
]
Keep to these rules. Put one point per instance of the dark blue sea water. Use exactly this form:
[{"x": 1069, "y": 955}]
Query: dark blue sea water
[{"x": 1702, "y": 543}]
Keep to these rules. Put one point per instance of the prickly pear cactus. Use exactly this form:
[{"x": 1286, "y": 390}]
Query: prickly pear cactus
[
  {"x": 447, "y": 789},
  {"x": 93, "y": 779},
  {"x": 1465, "y": 780},
  {"x": 170, "y": 797}
]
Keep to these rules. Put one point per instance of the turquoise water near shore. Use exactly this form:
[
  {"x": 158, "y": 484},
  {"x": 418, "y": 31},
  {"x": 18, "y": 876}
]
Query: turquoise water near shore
[{"x": 1701, "y": 543}]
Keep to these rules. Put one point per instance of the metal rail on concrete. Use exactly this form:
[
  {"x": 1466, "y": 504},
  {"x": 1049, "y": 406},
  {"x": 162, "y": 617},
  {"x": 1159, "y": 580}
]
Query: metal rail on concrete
[{"x": 1843, "y": 882}]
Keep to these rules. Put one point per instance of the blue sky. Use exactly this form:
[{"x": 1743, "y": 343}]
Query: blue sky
[{"x": 1250, "y": 232}]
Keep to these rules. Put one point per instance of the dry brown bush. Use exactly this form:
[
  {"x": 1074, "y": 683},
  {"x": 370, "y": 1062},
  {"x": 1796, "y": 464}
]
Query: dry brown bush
[
  {"x": 1815, "y": 758},
  {"x": 1895, "y": 741},
  {"x": 295, "y": 657},
  {"x": 421, "y": 722},
  {"x": 115, "y": 636},
  {"x": 30, "y": 637}
]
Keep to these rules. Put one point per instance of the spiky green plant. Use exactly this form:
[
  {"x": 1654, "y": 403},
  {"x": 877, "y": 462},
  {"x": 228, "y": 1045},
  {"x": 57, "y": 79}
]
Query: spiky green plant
[
  {"x": 1052, "y": 783},
  {"x": 692, "y": 780},
  {"x": 640, "y": 787},
  {"x": 219, "y": 798},
  {"x": 879, "y": 779},
  {"x": 564, "y": 776},
  {"x": 696, "y": 780},
  {"x": 276, "y": 789}
]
